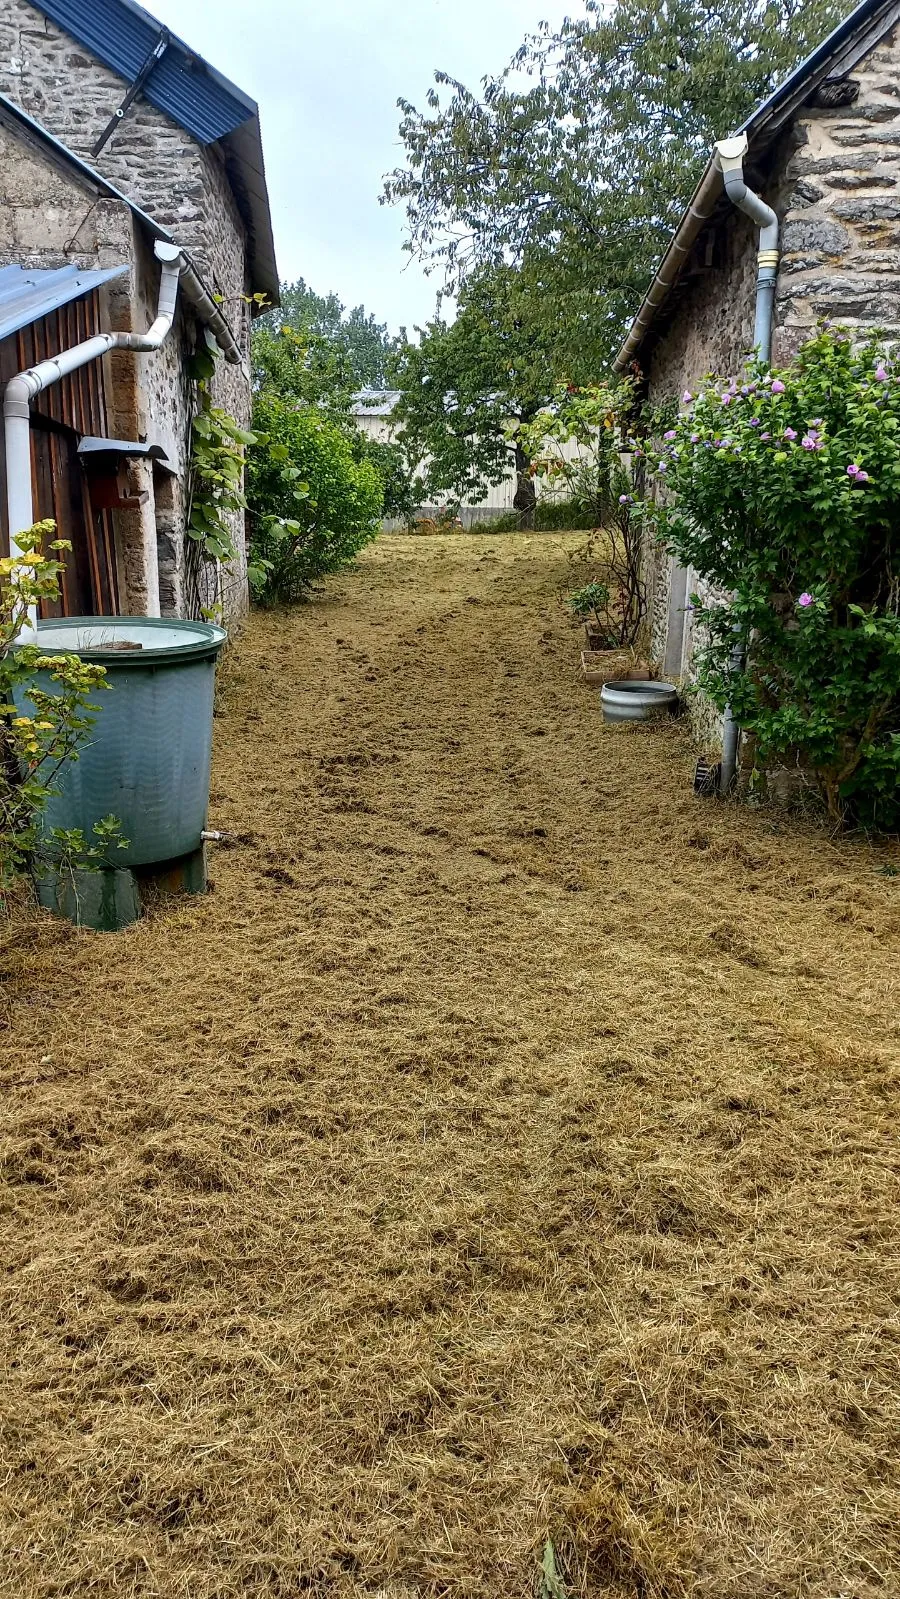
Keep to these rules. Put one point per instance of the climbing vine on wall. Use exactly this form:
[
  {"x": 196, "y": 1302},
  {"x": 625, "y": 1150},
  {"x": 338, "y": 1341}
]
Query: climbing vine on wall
[{"x": 217, "y": 468}]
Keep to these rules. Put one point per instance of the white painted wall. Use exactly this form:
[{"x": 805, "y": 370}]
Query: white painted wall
[{"x": 499, "y": 497}]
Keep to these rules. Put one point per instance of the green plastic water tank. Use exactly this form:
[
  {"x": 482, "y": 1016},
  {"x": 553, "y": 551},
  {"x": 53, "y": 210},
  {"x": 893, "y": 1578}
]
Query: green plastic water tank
[{"x": 147, "y": 757}]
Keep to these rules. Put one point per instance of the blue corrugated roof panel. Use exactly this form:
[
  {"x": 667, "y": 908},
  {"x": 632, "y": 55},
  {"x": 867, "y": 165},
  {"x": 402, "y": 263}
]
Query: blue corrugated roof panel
[
  {"x": 26, "y": 295},
  {"x": 182, "y": 84}
]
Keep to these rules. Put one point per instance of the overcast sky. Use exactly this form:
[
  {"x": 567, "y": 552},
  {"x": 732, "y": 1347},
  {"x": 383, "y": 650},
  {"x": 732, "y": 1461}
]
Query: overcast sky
[{"x": 327, "y": 75}]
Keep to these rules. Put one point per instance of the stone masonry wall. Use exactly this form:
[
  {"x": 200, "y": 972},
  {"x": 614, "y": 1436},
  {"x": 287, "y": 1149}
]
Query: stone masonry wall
[
  {"x": 835, "y": 184},
  {"x": 184, "y": 187},
  {"x": 839, "y": 196},
  {"x": 50, "y": 217}
]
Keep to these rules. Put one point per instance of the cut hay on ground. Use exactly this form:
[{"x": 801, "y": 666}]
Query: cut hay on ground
[{"x": 506, "y": 1148}]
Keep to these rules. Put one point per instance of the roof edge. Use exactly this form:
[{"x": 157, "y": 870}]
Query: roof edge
[{"x": 67, "y": 157}]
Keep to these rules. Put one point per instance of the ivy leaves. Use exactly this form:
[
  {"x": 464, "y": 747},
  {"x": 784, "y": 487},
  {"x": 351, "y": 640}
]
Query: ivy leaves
[{"x": 217, "y": 478}]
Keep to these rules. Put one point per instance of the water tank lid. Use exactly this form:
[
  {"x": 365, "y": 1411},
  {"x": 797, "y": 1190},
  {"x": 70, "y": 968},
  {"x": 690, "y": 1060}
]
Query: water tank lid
[{"x": 104, "y": 639}]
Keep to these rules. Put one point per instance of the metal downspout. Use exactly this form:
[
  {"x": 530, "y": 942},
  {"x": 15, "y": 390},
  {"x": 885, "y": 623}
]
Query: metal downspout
[{"x": 729, "y": 158}]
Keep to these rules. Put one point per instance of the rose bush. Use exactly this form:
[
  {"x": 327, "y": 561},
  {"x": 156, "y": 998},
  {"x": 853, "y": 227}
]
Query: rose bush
[{"x": 783, "y": 491}]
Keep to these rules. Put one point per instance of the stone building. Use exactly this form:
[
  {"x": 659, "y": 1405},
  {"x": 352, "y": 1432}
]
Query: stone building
[
  {"x": 113, "y": 136},
  {"x": 824, "y": 153}
]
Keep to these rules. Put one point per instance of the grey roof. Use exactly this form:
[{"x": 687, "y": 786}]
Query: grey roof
[
  {"x": 26, "y": 295},
  {"x": 836, "y": 56},
  {"x": 374, "y": 402},
  {"x": 197, "y": 97}
]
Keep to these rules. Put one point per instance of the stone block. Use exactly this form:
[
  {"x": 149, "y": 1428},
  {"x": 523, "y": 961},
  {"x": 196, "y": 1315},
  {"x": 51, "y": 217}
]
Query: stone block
[
  {"x": 868, "y": 209},
  {"x": 804, "y": 165},
  {"x": 815, "y": 233},
  {"x": 861, "y": 180},
  {"x": 805, "y": 193}
]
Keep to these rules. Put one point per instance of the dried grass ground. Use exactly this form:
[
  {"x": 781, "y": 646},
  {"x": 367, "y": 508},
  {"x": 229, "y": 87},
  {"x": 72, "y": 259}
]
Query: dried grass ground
[{"x": 507, "y": 1145}]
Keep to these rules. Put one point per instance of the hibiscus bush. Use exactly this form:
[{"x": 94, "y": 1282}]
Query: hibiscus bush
[{"x": 783, "y": 491}]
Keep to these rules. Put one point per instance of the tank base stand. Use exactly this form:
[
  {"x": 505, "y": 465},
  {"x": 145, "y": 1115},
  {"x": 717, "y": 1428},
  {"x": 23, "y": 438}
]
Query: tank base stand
[
  {"x": 105, "y": 900},
  {"x": 113, "y": 897},
  {"x": 186, "y": 874}
]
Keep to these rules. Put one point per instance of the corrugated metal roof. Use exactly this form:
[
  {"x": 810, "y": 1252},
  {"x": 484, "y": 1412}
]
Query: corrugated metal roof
[
  {"x": 196, "y": 96},
  {"x": 182, "y": 84},
  {"x": 374, "y": 402},
  {"x": 27, "y": 295}
]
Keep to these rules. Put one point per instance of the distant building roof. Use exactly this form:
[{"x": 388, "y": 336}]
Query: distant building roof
[
  {"x": 374, "y": 402},
  {"x": 184, "y": 86},
  {"x": 27, "y": 295}
]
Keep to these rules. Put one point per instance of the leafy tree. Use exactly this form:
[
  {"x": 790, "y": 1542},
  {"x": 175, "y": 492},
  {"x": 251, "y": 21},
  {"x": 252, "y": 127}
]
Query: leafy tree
[
  {"x": 308, "y": 352},
  {"x": 389, "y": 458},
  {"x": 359, "y": 346},
  {"x": 312, "y": 505},
  {"x": 579, "y": 174},
  {"x": 467, "y": 384},
  {"x": 303, "y": 366}
]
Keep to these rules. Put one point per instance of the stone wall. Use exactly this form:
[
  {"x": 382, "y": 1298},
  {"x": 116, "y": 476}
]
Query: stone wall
[
  {"x": 838, "y": 194},
  {"x": 834, "y": 180},
  {"x": 183, "y": 186},
  {"x": 162, "y": 168},
  {"x": 50, "y": 216}
]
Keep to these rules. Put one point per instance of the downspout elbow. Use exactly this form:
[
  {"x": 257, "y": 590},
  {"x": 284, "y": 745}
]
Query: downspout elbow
[
  {"x": 172, "y": 264},
  {"x": 730, "y": 158}
]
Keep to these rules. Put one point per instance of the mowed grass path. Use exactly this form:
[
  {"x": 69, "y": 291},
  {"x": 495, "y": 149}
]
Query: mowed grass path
[{"x": 506, "y": 1148}]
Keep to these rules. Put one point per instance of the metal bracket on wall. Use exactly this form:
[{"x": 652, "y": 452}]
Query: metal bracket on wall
[{"x": 156, "y": 55}]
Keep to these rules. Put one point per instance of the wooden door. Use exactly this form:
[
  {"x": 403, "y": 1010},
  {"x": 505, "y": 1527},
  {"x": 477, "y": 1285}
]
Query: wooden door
[{"x": 60, "y": 417}]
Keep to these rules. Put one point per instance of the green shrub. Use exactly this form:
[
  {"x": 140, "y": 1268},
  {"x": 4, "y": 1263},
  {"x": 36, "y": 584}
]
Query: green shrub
[
  {"x": 551, "y": 516},
  {"x": 37, "y": 743},
  {"x": 503, "y": 522},
  {"x": 783, "y": 490},
  {"x": 397, "y": 481},
  {"x": 312, "y": 506}
]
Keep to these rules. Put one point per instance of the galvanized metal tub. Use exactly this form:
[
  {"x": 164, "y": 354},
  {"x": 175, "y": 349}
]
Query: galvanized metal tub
[
  {"x": 633, "y": 700},
  {"x": 146, "y": 760}
]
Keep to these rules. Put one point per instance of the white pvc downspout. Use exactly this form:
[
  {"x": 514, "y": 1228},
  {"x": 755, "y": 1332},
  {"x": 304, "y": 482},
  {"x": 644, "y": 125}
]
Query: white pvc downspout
[
  {"x": 22, "y": 389},
  {"x": 729, "y": 158}
]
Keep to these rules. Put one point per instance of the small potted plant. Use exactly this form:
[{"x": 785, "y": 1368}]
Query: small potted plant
[{"x": 591, "y": 605}]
